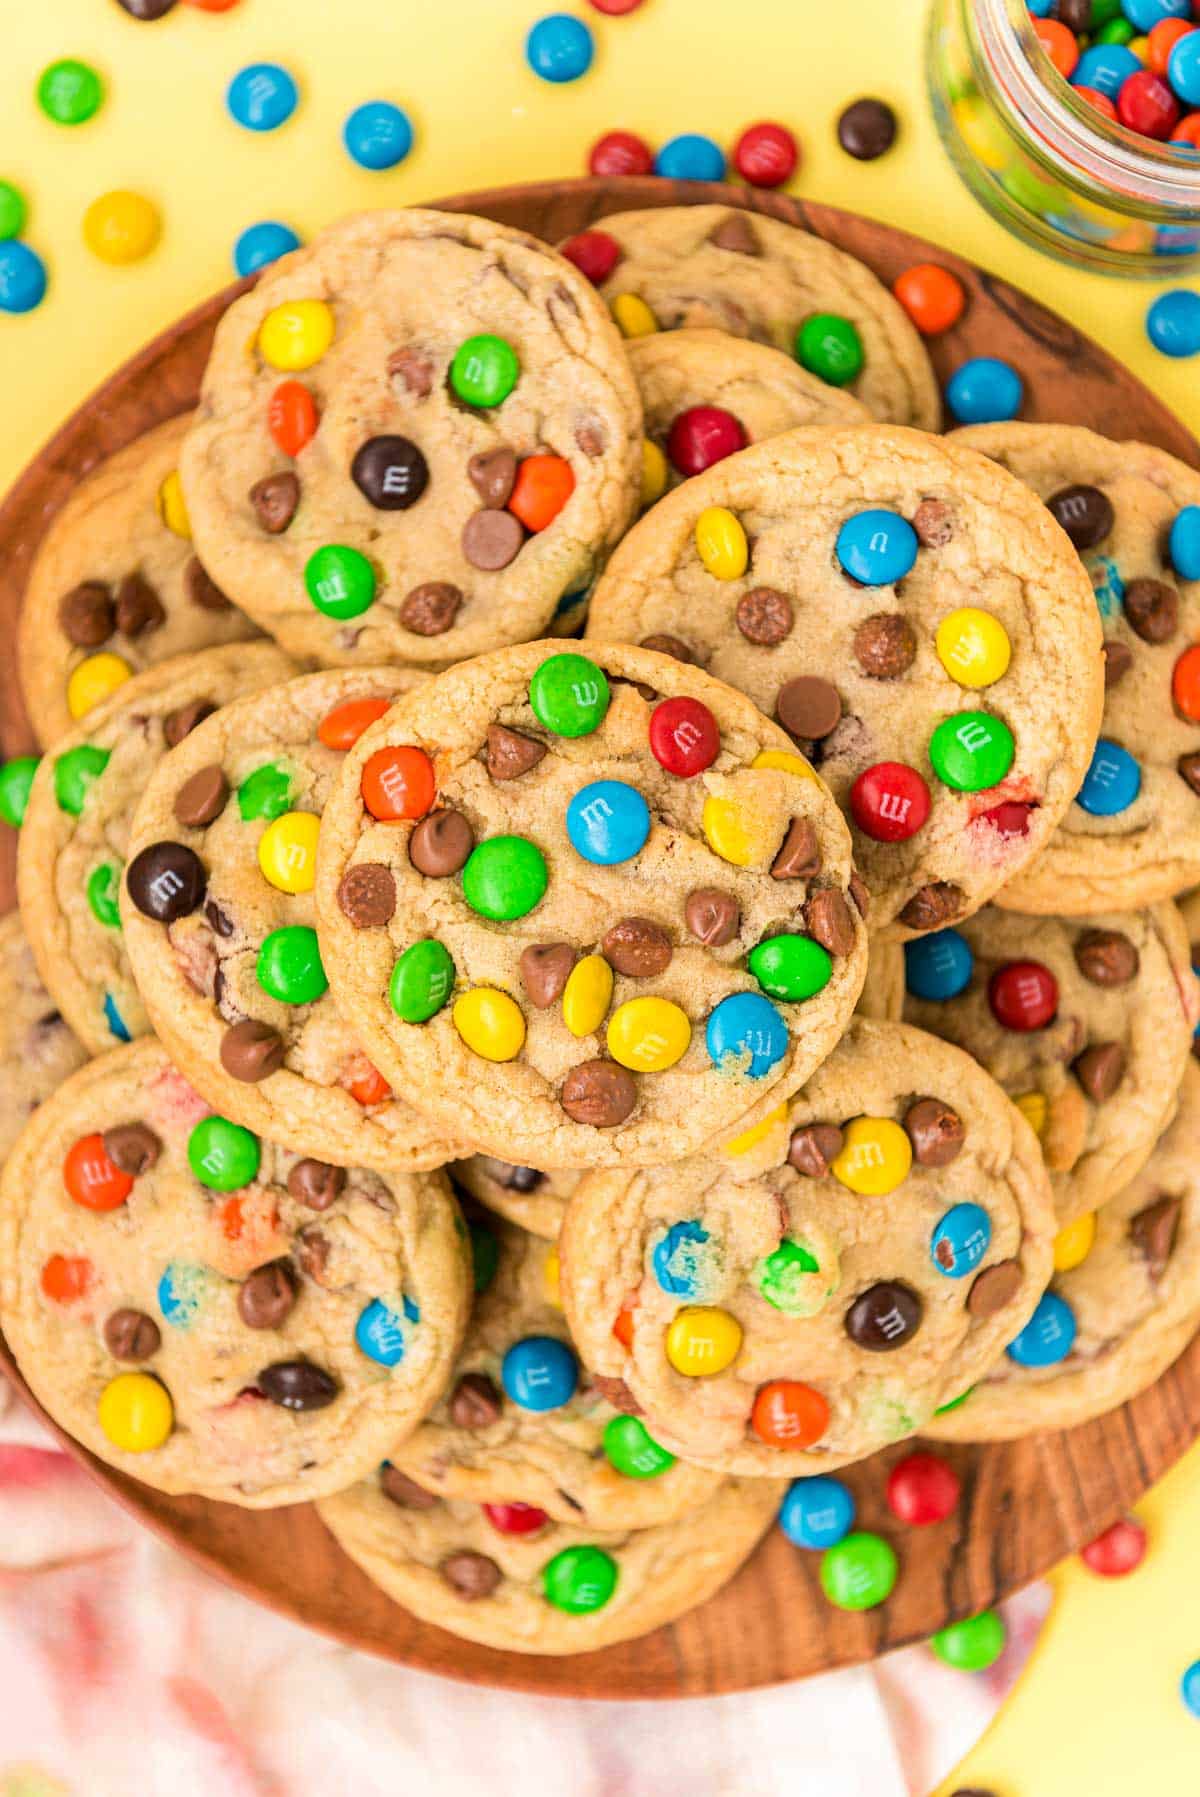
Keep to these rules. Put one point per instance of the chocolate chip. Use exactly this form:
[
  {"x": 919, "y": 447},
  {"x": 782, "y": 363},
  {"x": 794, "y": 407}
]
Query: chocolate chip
[
  {"x": 266, "y": 1298},
  {"x": 147, "y": 11},
  {"x": 315, "y": 1183},
  {"x": 491, "y": 540},
  {"x": 933, "y": 522},
  {"x": 202, "y": 798},
  {"x": 492, "y": 473},
  {"x": 545, "y": 968},
  {"x": 992, "y": 1289},
  {"x": 598, "y": 1093},
  {"x": 885, "y": 645},
  {"x": 1188, "y": 768},
  {"x": 414, "y": 369},
  {"x": 475, "y": 1403},
  {"x": 217, "y": 920},
  {"x": 202, "y": 589},
  {"x": 812, "y": 1147},
  {"x": 1083, "y": 512},
  {"x": 138, "y": 607},
  {"x": 808, "y": 707},
  {"x": 935, "y": 1131},
  {"x": 764, "y": 616},
  {"x": 131, "y": 1335},
  {"x": 166, "y": 881},
  {"x": 799, "y": 858},
  {"x": 934, "y": 905},
  {"x": 637, "y": 948},
  {"x": 470, "y": 1574},
  {"x": 183, "y": 720},
  {"x": 366, "y": 895},
  {"x": 616, "y": 1393},
  {"x": 86, "y": 615},
  {"x": 390, "y": 472},
  {"x": 867, "y": 129},
  {"x": 512, "y": 1179},
  {"x": 1118, "y": 659},
  {"x": 735, "y": 232},
  {"x": 859, "y": 892},
  {"x": 1076, "y": 15},
  {"x": 669, "y": 645},
  {"x": 297, "y": 1385},
  {"x": 1152, "y": 610},
  {"x": 439, "y": 845},
  {"x": 1100, "y": 1070},
  {"x": 884, "y": 1316},
  {"x": 251, "y": 1051},
  {"x": 431, "y": 608},
  {"x": 712, "y": 916},
  {"x": 312, "y": 1251},
  {"x": 827, "y": 919},
  {"x": 132, "y": 1147},
  {"x": 509, "y": 754},
  {"x": 275, "y": 499},
  {"x": 404, "y": 1491},
  {"x": 1107, "y": 957},
  {"x": 1153, "y": 1231}
]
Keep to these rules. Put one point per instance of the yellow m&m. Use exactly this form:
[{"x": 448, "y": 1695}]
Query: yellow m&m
[
  {"x": 1034, "y": 1109},
  {"x": 95, "y": 678},
  {"x": 135, "y": 1412},
  {"x": 171, "y": 508},
  {"x": 973, "y": 647},
  {"x": 1073, "y": 1244},
  {"x": 648, "y": 1034},
  {"x": 121, "y": 227},
  {"x": 551, "y": 1280},
  {"x": 633, "y": 316},
  {"x": 490, "y": 1023},
  {"x": 654, "y": 472},
  {"x": 721, "y": 543},
  {"x": 295, "y": 335},
  {"x": 758, "y": 1132},
  {"x": 587, "y": 995},
  {"x": 786, "y": 762},
  {"x": 724, "y": 824},
  {"x": 874, "y": 1157},
  {"x": 287, "y": 851},
  {"x": 702, "y": 1340}
]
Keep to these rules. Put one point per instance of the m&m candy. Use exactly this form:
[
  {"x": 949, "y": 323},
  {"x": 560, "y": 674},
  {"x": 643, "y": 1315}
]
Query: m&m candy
[
  {"x": 721, "y": 543},
  {"x": 16, "y": 778},
  {"x": 222, "y": 1155},
  {"x": 702, "y": 435},
  {"x": 399, "y": 783},
  {"x": 620, "y": 153},
  {"x": 135, "y": 1412},
  {"x": 971, "y": 751},
  {"x": 1047, "y": 1337},
  {"x": 922, "y": 1489},
  {"x": 1074, "y": 1241},
  {"x": 1173, "y": 323},
  {"x": 422, "y": 980},
  {"x": 490, "y": 1023},
  {"x": 766, "y": 155},
  {"x": 1023, "y": 995},
  {"x": 933, "y": 297},
  {"x": 504, "y": 877},
  {"x": 1184, "y": 543},
  {"x": 1119, "y": 1550},
  {"x": 66, "y": 1278},
  {"x": 684, "y": 737},
  {"x": 984, "y": 391},
  {"x": 784, "y": 1278},
  {"x": 830, "y": 347},
  {"x": 971, "y": 1645},
  {"x": 594, "y": 253},
  {"x": 287, "y": 851},
  {"x": 746, "y": 1034},
  {"x": 13, "y": 211},
  {"x": 542, "y": 488},
  {"x": 383, "y": 1330},
  {"x": 587, "y": 995},
  {"x": 875, "y": 1156},
  {"x": 341, "y": 728},
  {"x": 515, "y": 1519},
  {"x": 262, "y": 96},
  {"x": 938, "y": 967},
  {"x": 960, "y": 1240},
  {"x": 265, "y": 792},
  {"x": 484, "y": 371},
  {"x": 260, "y": 244},
  {"x": 182, "y": 1291},
  {"x": 631, "y": 1450},
  {"x": 690, "y": 157},
  {"x": 608, "y": 822},
  {"x": 22, "y": 277},
  {"x": 973, "y": 646},
  {"x": 339, "y": 580},
  {"x": 1112, "y": 782},
  {"x": 92, "y": 1177},
  {"x": 817, "y": 1512},
  {"x": 1105, "y": 67},
  {"x": 702, "y": 1341},
  {"x": 539, "y": 1373},
  {"x": 632, "y": 316},
  {"x": 790, "y": 967},
  {"x": 378, "y": 135},
  {"x": 889, "y": 801},
  {"x": 292, "y": 417},
  {"x": 559, "y": 48},
  {"x": 859, "y": 1571},
  {"x": 877, "y": 548},
  {"x": 648, "y": 1035},
  {"x": 172, "y": 508},
  {"x": 296, "y": 334},
  {"x": 1189, "y": 1688},
  {"x": 679, "y": 1259},
  {"x": 579, "y": 1580},
  {"x": 121, "y": 226},
  {"x": 1183, "y": 68},
  {"x": 69, "y": 91},
  {"x": 789, "y": 1414},
  {"x": 569, "y": 695},
  {"x": 95, "y": 679}
]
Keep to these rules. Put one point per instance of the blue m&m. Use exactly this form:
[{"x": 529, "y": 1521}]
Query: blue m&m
[
  {"x": 181, "y": 1293},
  {"x": 690, "y": 157},
  {"x": 679, "y": 1259},
  {"x": 746, "y": 1024},
  {"x": 960, "y": 1240},
  {"x": 938, "y": 967},
  {"x": 1183, "y": 68},
  {"x": 378, "y": 135},
  {"x": 559, "y": 48},
  {"x": 1144, "y": 15},
  {"x": 263, "y": 243},
  {"x": 22, "y": 277},
  {"x": 1185, "y": 543},
  {"x": 1189, "y": 1688},
  {"x": 1173, "y": 323},
  {"x": 262, "y": 96},
  {"x": 1112, "y": 782},
  {"x": 817, "y": 1512},
  {"x": 1048, "y": 1336},
  {"x": 382, "y": 1332},
  {"x": 877, "y": 547},
  {"x": 540, "y": 1373},
  {"x": 1105, "y": 68},
  {"x": 984, "y": 391},
  {"x": 608, "y": 822}
]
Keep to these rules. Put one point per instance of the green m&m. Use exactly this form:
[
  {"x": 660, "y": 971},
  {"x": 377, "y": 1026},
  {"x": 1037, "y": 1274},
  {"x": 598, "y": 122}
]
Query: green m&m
[
  {"x": 829, "y": 346},
  {"x": 289, "y": 965},
  {"x": 69, "y": 91},
  {"x": 485, "y": 1255},
  {"x": 484, "y": 371},
  {"x": 504, "y": 877},
  {"x": 791, "y": 967},
  {"x": 859, "y": 1571},
  {"x": 784, "y": 1279},
  {"x": 971, "y": 751},
  {"x": 971, "y": 1645},
  {"x": 422, "y": 980},
  {"x": 340, "y": 581},
  {"x": 265, "y": 793},
  {"x": 569, "y": 695},
  {"x": 954, "y": 1403},
  {"x": 631, "y": 1450},
  {"x": 104, "y": 883},
  {"x": 74, "y": 773},
  {"x": 16, "y": 777},
  {"x": 12, "y": 211},
  {"x": 579, "y": 1580},
  {"x": 223, "y": 1155}
]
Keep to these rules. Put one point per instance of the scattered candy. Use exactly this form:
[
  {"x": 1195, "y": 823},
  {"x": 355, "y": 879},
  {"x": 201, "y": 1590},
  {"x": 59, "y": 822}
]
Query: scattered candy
[
  {"x": 690, "y": 157},
  {"x": 1048, "y": 1336},
  {"x": 22, "y": 277},
  {"x": 70, "y": 92},
  {"x": 1189, "y": 1687},
  {"x": 817, "y": 1512},
  {"x": 866, "y": 129},
  {"x": 1173, "y": 323},
  {"x": 1119, "y": 1550},
  {"x": 859, "y": 1572},
  {"x": 923, "y": 1489},
  {"x": 540, "y": 1373},
  {"x": 766, "y": 155},
  {"x": 971, "y": 1645},
  {"x": 262, "y": 96},
  {"x": 933, "y": 297},
  {"x": 121, "y": 227},
  {"x": 13, "y": 211},
  {"x": 559, "y": 48},
  {"x": 378, "y": 135},
  {"x": 260, "y": 244},
  {"x": 620, "y": 153},
  {"x": 579, "y": 1580},
  {"x": 984, "y": 391}
]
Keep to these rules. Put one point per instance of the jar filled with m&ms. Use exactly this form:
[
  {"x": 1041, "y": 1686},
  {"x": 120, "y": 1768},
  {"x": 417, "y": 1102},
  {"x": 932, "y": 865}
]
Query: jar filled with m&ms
[{"x": 1077, "y": 124}]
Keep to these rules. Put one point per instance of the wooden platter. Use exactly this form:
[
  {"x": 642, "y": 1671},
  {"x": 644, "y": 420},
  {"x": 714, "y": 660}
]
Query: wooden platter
[{"x": 1025, "y": 1505}]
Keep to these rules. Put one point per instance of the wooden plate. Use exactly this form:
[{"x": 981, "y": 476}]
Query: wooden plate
[{"x": 1025, "y": 1505}]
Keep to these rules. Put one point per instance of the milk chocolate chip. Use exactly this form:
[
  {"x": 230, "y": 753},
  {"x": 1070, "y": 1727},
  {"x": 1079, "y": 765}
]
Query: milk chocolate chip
[
  {"x": 599, "y": 1093},
  {"x": 712, "y": 916},
  {"x": 250, "y": 1051}
]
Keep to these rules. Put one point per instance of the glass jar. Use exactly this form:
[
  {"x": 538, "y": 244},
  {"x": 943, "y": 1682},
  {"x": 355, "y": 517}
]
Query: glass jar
[{"x": 1043, "y": 161}]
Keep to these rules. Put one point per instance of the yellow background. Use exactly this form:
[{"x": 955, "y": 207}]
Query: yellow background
[{"x": 1099, "y": 1713}]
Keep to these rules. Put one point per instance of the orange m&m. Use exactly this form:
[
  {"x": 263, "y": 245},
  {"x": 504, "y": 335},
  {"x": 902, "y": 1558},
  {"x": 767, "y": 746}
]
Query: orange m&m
[
  {"x": 1163, "y": 38},
  {"x": 398, "y": 783},
  {"x": 787, "y": 1414},
  {"x": 623, "y": 1327},
  {"x": 342, "y": 727},
  {"x": 543, "y": 486},
  {"x": 1185, "y": 684},
  {"x": 292, "y": 416},
  {"x": 91, "y": 1178},
  {"x": 67, "y": 1277},
  {"x": 932, "y": 297},
  {"x": 1059, "y": 43},
  {"x": 369, "y": 1087}
]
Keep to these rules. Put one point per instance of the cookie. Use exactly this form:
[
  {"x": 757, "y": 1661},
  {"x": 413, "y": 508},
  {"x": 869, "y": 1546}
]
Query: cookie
[
  {"x": 217, "y": 910},
  {"x": 415, "y": 436},
  {"x": 526, "y": 1196},
  {"x": 1132, "y": 835},
  {"x": 1123, "y": 1303},
  {"x": 757, "y": 277},
  {"x": 589, "y": 909},
  {"x": 562, "y": 1590},
  {"x": 209, "y": 1313},
  {"x": 116, "y": 586},
  {"x": 1085, "y": 1022},
  {"x": 915, "y": 619},
  {"x": 821, "y": 1290},
  {"x": 37, "y": 1047},
  {"x": 75, "y": 835}
]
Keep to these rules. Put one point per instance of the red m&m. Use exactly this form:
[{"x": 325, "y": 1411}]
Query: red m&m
[
  {"x": 766, "y": 155},
  {"x": 515, "y": 1519},
  {"x": 1119, "y": 1550},
  {"x": 703, "y": 435},
  {"x": 398, "y": 783},
  {"x": 92, "y": 1178},
  {"x": 342, "y": 727},
  {"x": 684, "y": 737},
  {"x": 923, "y": 1489},
  {"x": 620, "y": 153},
  {"x": 594, "y": 253},
  {"x": 1023, "y": 995},
  {"x": 1146, "y": 104},
  {"x": 291, "y": 417},
  {"x": 890, "y": 801}
]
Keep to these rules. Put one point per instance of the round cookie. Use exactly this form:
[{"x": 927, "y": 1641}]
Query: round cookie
[
  {"x": 757, "y": 277},
  {"x": 415, "y": 437},
  {"x": 1189, "y": 910},
  {"x": 560, "y": 1591},
  {"x": 916, "y": 620},
  {"x": 1085, "y": 1022},
  {"x": 818, "y": 1292},
  {"x": 578, "y": 956},
  {"x": 37, "y": 1048},
  {"x": 526, "y": 1196},
  {"x": 206, "y": 1312},
  {"x": 1123, "y": 1303},
  {"x": 75, "y": 835},
  {"x": 217, "y": 909},
  {"x": 1132, "y": 836},
  {"x": 523, "y": 1423},
  {"x": 116, "y": 586}
]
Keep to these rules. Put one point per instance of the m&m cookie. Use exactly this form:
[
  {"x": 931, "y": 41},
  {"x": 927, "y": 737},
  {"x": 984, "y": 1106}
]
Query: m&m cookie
[
  {"x": 218, "y": 915},
  {"x": 525, "y": 1195},
  {"x": 209, "y": 1312},
  {"x": 116, "y": 586},
  {"x": 37, "y": 1047},
  {"x": 916, "y": 622},
  {"x": 805, "y": 1296},
  {"x": 416, "y": 436},
  {"x": 589, "y": 909}
]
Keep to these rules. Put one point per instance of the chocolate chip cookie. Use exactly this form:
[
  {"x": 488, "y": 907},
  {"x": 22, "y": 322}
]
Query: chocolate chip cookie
[
  {"x": 37, "y": 1047},
  {"x": 526, "y": 1196}
]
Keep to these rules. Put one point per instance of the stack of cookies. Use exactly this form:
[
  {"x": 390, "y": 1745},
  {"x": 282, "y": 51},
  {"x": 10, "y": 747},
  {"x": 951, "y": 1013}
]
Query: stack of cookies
[{"x": 536, "y": 1097}]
